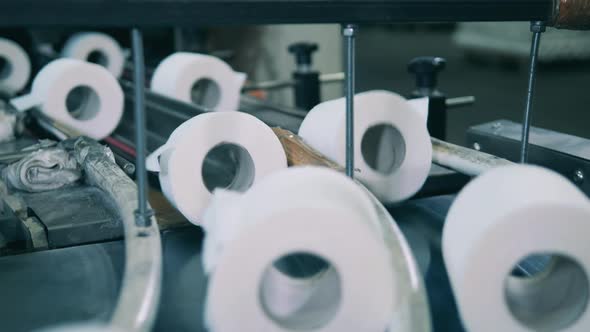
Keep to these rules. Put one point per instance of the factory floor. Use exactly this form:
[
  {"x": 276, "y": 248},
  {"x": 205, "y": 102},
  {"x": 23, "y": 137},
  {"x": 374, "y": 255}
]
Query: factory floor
[{"x": 562, "y": 100}]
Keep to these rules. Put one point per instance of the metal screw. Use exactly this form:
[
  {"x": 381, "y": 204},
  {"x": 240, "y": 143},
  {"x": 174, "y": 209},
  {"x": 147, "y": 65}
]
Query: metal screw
[
  {"x": 537, "y": 28},
  {"x": 578, "y": 176},
  {"x": 349, "y": 32},
  {"x": 476, "y": 146}
]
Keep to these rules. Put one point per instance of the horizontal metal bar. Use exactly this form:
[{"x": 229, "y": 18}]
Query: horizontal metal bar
[
  {"x": 124, "y": 13},
  {"x": 464, "y": 160},
  {"x": 460, "y": 101}
]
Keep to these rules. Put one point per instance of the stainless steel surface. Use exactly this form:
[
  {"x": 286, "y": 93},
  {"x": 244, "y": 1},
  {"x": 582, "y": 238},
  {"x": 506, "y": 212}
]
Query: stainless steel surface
[
  {"x": 144, "y": 213},
  {"x": 349, "y": 33},
  {"x": 537, "y": 28},
  {"x": 566, "y": 154}
]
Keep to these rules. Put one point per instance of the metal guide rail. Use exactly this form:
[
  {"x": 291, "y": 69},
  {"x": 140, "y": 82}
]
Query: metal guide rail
[{"x": 125, "y": 13}]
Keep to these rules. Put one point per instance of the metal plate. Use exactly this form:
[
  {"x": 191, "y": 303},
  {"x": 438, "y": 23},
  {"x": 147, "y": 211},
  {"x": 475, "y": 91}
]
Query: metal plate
[
  {"x": 566, "y": 154},
  {"x": 75, "y": 215}
]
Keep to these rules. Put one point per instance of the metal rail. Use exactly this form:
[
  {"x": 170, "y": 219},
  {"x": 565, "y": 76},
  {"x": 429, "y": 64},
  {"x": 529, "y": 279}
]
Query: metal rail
[{"x": 126, "y": 13}]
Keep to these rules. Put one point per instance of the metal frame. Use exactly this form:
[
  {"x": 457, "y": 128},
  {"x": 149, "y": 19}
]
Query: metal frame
[
  {"x": 127, "y": 13},
  {"x": 142, "y": 281}
]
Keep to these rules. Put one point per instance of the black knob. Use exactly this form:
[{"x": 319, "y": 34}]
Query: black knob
[
  {"x": 426, "y": 69},
  {"x": 303, "y": 52}
]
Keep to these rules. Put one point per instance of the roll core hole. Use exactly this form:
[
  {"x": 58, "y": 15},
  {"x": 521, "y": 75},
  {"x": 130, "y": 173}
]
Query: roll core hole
[
  {"x": 228, "y": 166},
  {"x": 206, "y": 92},
  {"x": 98, "y": 57},
  {"x": 5, "y": 68},
  {"x": 383, "y": 148},
  {"x": 551, "y": 299},
  {"x": 300, "y": 291},
  {"x": 83, "y": 103}
]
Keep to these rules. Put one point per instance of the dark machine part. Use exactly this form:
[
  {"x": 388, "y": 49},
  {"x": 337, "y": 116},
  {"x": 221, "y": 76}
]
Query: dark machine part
[
  {"x": 307, "y": 81},
  {"x": 566, "y": 154},
  {"x": 59, "y": 218},
  {"x": 165, "y": 114},
  {"x": 125, "y": 13},
  {"x": 86, "y": 279},
  {"x": 426, "y": 70},
  {"x": 87, "y": 215}
]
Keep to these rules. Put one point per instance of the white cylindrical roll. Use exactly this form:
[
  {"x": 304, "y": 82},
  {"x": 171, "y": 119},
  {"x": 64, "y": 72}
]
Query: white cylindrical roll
[
  {"x": 502, "y": 217},
  {"x": 79, "y": 95},
  {"x": 96, "y": 47},
  {"x": 251, "y": 145},
  {"x": 201, "y": 79},
  {"x": 392, "y": 149},
  {"x": 312, "y": 211},
  {"x": 15, "y": 67}
]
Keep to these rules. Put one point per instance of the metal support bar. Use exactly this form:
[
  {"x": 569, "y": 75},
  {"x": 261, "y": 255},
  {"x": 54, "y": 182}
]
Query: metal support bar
[
  {"x": 349, "y": 33},
  {"x": 143, "y": 213},
  {"x": 537, "y": 28}
]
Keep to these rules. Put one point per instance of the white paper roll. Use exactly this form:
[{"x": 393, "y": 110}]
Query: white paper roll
[
  {"x": 198, "y": 78},
  {"x": 392, "y": 149},
  {"x": 96, "y": 47},
  {"x": 252, "y": 145},
  {"x": 503, "y": 217},
  {"x": 80, "y": 95},
  {"x": 15, "y": 67},
  {"x": 309, "y": 210}
]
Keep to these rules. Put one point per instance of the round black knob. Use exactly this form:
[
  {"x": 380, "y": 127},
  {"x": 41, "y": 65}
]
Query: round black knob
[
  {"x": 426, "y": 69},
  {"x": 303, "y": 52}
]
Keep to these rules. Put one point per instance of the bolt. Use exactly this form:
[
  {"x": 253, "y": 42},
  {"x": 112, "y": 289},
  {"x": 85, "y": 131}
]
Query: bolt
[
  {"x": 578, "y": 176},
  {"x": 476, "y": 146},
  {"x": 538, "y": 26},
  {"x": 497, "y": 126},
  {"x": 349, "y": 30}
]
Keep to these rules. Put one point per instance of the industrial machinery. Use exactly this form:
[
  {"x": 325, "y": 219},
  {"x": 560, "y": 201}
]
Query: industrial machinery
[{"x": 96, "y": 250}]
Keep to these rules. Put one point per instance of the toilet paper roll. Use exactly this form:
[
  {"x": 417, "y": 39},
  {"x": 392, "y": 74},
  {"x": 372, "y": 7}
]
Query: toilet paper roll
[
  {"x": 201, "y": 79},
  {"x": 503, "y": 217},
  {"x": 15, "y": 67},
  {"x": 249, "y": 142},
  {"x": 308, "y": 210},
  {"x": 392, "y": 149},
  {"x": 79, "y": 95},
  {"x": 98, "y": 48}
]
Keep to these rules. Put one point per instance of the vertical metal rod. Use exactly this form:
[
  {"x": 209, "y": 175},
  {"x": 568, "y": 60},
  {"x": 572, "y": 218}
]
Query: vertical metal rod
[
  {"x": 349, "y": 33},
  {"x": 143, "y": 214},
  {"x": 533, "y": 265},
  {"x": 537, "y": 28}
]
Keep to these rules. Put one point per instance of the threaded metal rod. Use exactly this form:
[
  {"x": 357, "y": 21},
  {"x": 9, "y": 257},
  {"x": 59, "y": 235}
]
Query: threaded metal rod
[
  {"x": 537, "y": 28},
  {"x": 349, "y": 33},
  {"x": 143, "y": 214}
]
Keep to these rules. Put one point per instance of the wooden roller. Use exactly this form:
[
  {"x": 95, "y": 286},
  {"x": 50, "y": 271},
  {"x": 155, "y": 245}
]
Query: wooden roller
[
  {"x": 572, "y": 14},
  {"x": 463, "y": 160},
  {"x": 299, "y": 153}
]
